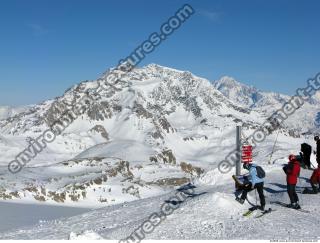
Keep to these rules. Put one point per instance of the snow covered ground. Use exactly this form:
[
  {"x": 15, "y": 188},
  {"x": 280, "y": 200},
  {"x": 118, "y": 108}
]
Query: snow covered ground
[
  {"x": 15, "y": 215},
  {"x": 209, "y": 212}
]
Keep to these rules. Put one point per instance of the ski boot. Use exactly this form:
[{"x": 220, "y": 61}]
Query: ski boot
[
  {"x": 240, "y": 200},
  {"x": 291, "y": 205},
  {"x": 308, "y": 191},
  {"x": 296, "y": 206},
  {"x": 313, "y": 190}
]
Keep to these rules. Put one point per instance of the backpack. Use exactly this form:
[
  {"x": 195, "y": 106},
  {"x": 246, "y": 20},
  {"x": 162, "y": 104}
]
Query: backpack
[{"x": 260, "y": 172}]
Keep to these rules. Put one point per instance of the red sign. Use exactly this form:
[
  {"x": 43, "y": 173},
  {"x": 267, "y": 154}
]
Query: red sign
[{"x": 246, "y": 153}]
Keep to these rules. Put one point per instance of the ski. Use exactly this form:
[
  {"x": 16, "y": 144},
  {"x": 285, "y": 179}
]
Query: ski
[
  {"x": 308, "y": 191},
  {"x": 269, "y": 210},
  {"x": 250, "y": 211},
  {"x": 285, "y": 205}
]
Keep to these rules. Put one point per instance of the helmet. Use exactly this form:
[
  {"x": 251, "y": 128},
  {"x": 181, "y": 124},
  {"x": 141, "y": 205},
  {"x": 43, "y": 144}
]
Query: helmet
[
  {"x": 316, "y": 138},
  {"x": 292, "y": 157}
]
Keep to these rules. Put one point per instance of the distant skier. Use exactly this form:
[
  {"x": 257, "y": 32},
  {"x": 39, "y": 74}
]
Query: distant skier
[
  {"x": 254, "y": 181},
  {"x": 292, "y": 170},
  {"x": 306, "y": 150},
  {"x": 314, "y": 181},
  {"x": 317, "y": 152}
]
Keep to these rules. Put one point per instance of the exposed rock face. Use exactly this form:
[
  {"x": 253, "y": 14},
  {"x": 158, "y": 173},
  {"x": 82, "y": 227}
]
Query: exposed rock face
[
  {"x": 141, "y": 111},
  {"x": 78, "y": 190},
  {"x": 193, "y": 170},
  {"x": 122, "y": 168},
  {"x": 171, "y": 181},
  {"x": 101, "y": 130},
  {"x": 166, "y": 157},
  {"x": 100, "y": 111}
]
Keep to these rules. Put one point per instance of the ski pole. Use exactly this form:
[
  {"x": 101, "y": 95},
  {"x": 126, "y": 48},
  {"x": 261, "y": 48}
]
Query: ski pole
[
  {"x": 300, "y": 190},
  {"x": 255, "y": 192},
  {"x": 274, "y": 145}
]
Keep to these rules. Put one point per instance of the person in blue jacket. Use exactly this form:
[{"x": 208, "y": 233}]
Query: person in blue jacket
[{"x": 253, "y": 182}]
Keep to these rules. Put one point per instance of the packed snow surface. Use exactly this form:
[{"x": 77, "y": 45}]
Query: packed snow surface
[{"x": 209, "y": 212}]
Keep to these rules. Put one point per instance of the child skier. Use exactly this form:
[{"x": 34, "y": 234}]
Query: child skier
[
  {"x": 254, "y": 182},
  {"x": 314, "y": 181},
  {"x": 292, "y": 170}
]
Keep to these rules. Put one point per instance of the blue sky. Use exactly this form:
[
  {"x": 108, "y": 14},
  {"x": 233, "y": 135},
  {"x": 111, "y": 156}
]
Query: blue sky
[{"x": 47, "y": 46}]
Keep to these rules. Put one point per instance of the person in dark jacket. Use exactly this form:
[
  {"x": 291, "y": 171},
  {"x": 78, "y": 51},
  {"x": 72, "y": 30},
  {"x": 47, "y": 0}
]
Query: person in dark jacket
[
  {"x": 317, "y": 152},
  {"x": 306, "y": 150},
  {"x": 292, "y": 170},
  {"x": 314, "y": 182},
  {"x": 254, "y": 182}
]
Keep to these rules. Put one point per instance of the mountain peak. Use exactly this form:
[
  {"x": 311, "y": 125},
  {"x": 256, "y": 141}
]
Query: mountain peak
[
  {"x": 247, "y": 96},
  {"x": 230, "y": 82},
  {"x": 153, "y": 65},
  {"x": 156, "y": 67},
  {"x": 237, "y": 92}
]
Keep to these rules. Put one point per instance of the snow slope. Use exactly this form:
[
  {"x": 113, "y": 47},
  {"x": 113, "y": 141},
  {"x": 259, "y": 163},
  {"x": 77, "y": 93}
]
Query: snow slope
[{"x": 209, "y": 212}]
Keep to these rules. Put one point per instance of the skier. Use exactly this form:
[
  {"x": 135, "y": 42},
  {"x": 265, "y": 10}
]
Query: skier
[
  {"x": 316, "y": 138},
  {"x": 292, "y": 170},
  {"x": 254, "y": 181},
  {"x": 314, "y": 181},
  {"x": 306, "y": 150}
]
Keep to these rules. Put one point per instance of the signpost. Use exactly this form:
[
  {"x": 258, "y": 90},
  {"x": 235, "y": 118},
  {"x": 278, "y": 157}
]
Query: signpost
[
  {"x": 238, "y": 147},
  {"x": 246, "y": 153}
]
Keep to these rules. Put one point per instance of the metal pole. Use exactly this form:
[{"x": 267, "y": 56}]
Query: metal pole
[{"x": 238, "y": 144}]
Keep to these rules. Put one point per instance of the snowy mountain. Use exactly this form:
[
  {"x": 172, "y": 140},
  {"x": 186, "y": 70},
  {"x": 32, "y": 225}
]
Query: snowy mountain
[
  {"x": 164, "y": 127},
  {"x": 248, "y": 96},
  {"x": 7, "y": 111},
  {"x": 303, "y": 120},
  {"x": 160, "y": 128}
]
